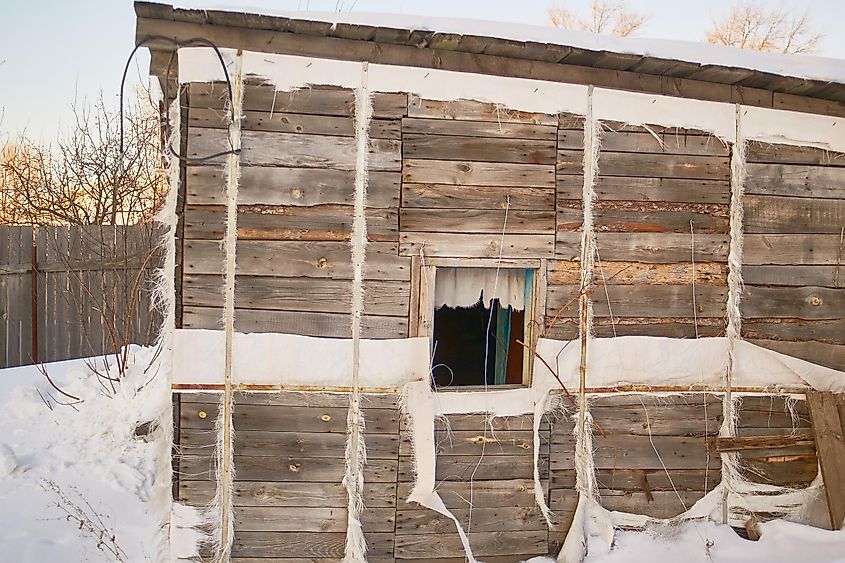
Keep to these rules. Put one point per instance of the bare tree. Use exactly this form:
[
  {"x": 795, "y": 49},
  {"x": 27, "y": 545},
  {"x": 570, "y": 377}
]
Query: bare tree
[
  {"x": 85, "y": 179},
  {"x": 753, "y": 25},
  {"x": 605, "y": 16}
]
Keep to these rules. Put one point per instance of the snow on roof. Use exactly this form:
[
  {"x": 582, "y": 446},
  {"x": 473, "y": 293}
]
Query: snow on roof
[{"x": 798, "y": 66}]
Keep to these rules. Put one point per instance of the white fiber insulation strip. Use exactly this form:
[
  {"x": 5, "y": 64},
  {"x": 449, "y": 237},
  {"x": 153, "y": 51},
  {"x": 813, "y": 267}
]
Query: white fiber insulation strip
[
  {"x": 463, "y": 287},
  {"x": 290, "y": 359},
  {"x": 286, "y": 73}
]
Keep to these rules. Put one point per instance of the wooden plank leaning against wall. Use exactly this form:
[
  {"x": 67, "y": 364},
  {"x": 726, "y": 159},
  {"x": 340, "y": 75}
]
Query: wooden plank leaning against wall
[{"x": 295, "y": 213}]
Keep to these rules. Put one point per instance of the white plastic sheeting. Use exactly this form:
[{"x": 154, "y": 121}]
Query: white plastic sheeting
[
  {"x": 463, "y": 287},
  {"x": 290, "y": 359}
]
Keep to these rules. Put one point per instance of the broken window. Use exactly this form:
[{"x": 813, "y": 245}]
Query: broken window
[{"x": 479, "y": 324}]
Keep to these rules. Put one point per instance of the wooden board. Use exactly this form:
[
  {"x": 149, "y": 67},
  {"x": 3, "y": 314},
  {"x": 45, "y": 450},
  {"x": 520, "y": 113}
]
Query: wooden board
[
  {"x": 261, "y": 185},
  {"x": 665, "y": 248},
  {"x": 650, "y": 165},
  {"x": 479, "y": 149},
  {"x": 289, "y": 494},
  {"x": 468, "y": 173},
  {"x": 795, "y": 180},
  {"x": 298, "y": 294},
  {"x": 297, "y": 258},
  {"x": 806, "y": 302},
  {"x": 265, "y": 148},
  {"x": 776, "y": 214},
  {"x": 795, "y": 276},
  {"x": 564, "y": 272},
  {"x": 829, "y": 431},
  {"x": 789, "y": 249},
  {"x": 477, "y": 221},
  {"x": 463, "y": 245},
  {"x": 494, "y": 129},
  {"x": 445, "y": 196},
  {"x": 471, "y": 110},
  {"x": 678, "y": 190},
  {"x": 644, "y": 301}
]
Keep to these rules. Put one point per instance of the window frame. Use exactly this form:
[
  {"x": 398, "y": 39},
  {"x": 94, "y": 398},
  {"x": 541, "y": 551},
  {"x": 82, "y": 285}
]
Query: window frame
[{"x": 421, "y": 317}]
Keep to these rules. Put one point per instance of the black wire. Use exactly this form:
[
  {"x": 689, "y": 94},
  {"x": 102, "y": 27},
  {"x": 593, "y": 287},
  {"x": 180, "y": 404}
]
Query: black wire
[{"x": 199, "y": 41}]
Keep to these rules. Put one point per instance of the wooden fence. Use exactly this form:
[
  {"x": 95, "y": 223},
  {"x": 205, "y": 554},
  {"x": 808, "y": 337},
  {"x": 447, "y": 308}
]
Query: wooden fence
[{"x": 78, "y": 291}]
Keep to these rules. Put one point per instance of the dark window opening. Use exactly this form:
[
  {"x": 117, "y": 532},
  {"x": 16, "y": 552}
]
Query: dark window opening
[{"x": 476, "y": 345}]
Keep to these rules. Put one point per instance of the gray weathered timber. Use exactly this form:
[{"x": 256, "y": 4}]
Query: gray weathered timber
[
  {"x": 565, "y": 272},
  {"x": 468, "y": 173},
  {"x": 791, "y": 329},
  {"x": 795, "y": 180},
  {"x": 332, "y": 325},
  {"x": 775, "y": 214},
  {"x": 651, "y": 165},
  {"x": 290, "y": 494},
  {"x": 795, "y": 276},
  {"x": 479, "y": 149},
  {"x": 477, "y": 221},
  {"x": 266, "y": 148},
  {"x": 389, "y": 298},
  {"x": 644, "y": 301},
  {"x": 447, "y": 196},
  {"x": 471, "y": 110},
  {"x": 297, "y": 258},
  {"x": 792, "y": 249},
  {"x": 664, "y": 248},
  {"x": 665, "y": 143},
  {"x": 470, "y": 245},
  {"x": 806, "y": 302},
  {"x": 262, "y": 185},
  {"x": 310, "y": 519},
  {"x": 679, "y": 190},
  {"x": 493, "y": 129},
  {"x": 644, "y": 220},
  {"x": 318, "y": 223},
  {"x": 822, "y": 353},
  {"x": 757, "y": 151},
  {"x": 829, "y": 428}
]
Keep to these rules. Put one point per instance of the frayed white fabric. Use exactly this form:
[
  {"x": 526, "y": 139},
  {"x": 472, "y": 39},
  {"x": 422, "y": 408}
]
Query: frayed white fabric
[{"x": 464, "y": 287}]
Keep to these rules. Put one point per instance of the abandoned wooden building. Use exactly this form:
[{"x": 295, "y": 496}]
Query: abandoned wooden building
[{"x": 591, "y": 273}]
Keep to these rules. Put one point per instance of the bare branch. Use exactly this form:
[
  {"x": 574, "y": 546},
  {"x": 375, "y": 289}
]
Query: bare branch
[
  {"x": 752, "y": 24},
  {"x": 610, "y": 17}
]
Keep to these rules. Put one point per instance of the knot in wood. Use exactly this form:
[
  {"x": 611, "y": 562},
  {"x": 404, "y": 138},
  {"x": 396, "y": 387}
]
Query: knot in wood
[
  {"x": 815, "y": 300},
  {"x": 202, "y": 414},
  {"x": 294, "y": 467},
  {"x": 322, "y": 263},
  {"x": 325, "y": 418},
  {"x": 296, "y": 193},
  {"x": 464, "y": 167}
]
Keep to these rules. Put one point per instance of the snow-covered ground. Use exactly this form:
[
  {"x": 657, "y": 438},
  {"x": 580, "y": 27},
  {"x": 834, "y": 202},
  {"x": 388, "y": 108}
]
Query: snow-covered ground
[{"x": 76, "y": 482}]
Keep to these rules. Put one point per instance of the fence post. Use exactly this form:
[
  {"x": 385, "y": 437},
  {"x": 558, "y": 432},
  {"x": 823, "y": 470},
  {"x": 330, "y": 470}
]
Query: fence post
[{"x": 34, "y": 278}]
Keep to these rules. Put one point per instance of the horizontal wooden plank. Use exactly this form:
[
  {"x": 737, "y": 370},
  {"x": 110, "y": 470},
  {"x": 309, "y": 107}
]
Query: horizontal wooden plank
[
  {"x": 268, "y": 148},
  {"x": 390, "y": 298},
  {"x": 643, "y": 301},
  {"x": 821, "y": 353},
  {"x": 511, "y": 519},
  {"x": 471, "y": 110},
  {"x": 662, "y": 248},
  {"x": 795, "y": 180},
  {"x": 295, "y": 123},
  {"x": 290, "y": 494},
  {"x": 646, "y": 220},
  {"x": 673, "y": 420},
  {"x": 467, "y": 442},
  {"x": 311, "y": 519},
  {"x": 479, "y": 149},
  {"x": 331, "y": 325},
  {"x": 776, "y": 214},
  {"x": 796, "y": 471},
  {"x": 744, "y": 443},
  {"x": 463, "y": 245},
  {"x": 273, "y": 185},
  {"x": 303, "y": 398},
  {"x": 822, "y": 276},
  {"x": 490, "y": 494},
  {"x": 793, "y": 302},
  {"x": 305, "y": 544},
  {"x": 471, "y": 467},
  {"x": 319, "y": 223},
  {"x": 468, "y": 173},
  {"x": 758, "y": 151},
  {"x": 651, "y": 165},
  {"x": 310, "y": 259},
  {"x": 319, "y": 100},
  {"x": 636, "y": 479},
  {"x": 477, "y": 221},
  {"x": 662, "y": 504},
  {"x": 483, "y": 544},
  {"x": 254, "y": 443},
  {"x": 637, "y": 452},
  {"x": 446, "y": 196},
  {"x": 829, "y": 331},
  {"x": 681, "y": 190},
  {"x": 811, "y": 249},
  {"x": 564, "y": 272},
  {"x": 495, "y": 129},
  {"x": 675, "y": 143},
  {"x": 202, "y": 416},
  {"x": 285, "y": 468}
]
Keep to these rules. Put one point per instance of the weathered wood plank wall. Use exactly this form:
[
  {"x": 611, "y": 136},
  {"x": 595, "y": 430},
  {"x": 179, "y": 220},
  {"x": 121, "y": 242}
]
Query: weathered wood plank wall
[
  {"x": 289, "y": 461},
  {"x": 295, "y": 214},
  {"x": 793, "y": 268},
  {"x": 85, "y": 279}
]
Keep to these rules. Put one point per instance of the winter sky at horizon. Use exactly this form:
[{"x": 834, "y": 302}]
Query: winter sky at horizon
[{"x": 55, "y": 51}]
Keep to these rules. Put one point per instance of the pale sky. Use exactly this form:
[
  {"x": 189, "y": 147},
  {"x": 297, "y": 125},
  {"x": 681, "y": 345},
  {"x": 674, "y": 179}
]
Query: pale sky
[{"x": 53, "y": 51}]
